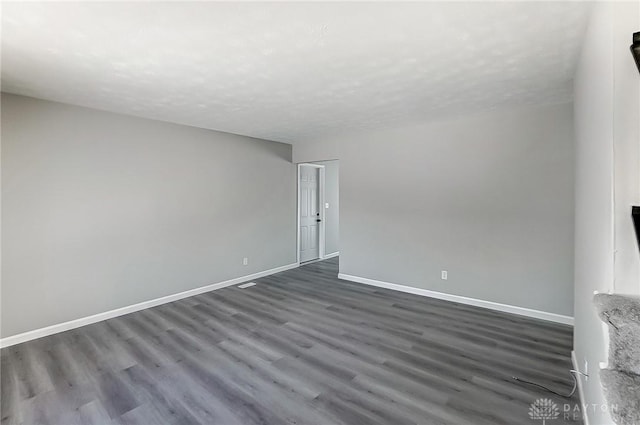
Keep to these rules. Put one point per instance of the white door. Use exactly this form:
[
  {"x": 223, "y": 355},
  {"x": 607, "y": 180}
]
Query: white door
[{"x": 309, "y": 213}]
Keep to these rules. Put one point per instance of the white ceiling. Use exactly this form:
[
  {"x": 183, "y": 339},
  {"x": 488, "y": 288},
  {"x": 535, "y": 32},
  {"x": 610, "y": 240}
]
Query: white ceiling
[{"x": 292, "y": 71}]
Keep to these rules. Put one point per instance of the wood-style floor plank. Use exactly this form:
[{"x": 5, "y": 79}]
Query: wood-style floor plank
[{"x": 300, "y": 347}]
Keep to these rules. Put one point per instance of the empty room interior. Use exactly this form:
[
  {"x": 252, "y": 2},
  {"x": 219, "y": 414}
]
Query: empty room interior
[{"x": 320, "y": 213}]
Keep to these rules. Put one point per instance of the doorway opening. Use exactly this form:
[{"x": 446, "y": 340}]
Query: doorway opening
[{"x": 317, "y": 211}]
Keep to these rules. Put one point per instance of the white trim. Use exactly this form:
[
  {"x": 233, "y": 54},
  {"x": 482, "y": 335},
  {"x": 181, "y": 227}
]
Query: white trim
[
  {"x": 298, "y": 214},
  {"x": 333, "y": 254},
  {"x": 322, "y": 210},
  {"x": 522, "y": 311},
  {"x": 72, "y": 324},
  {"x": 317, "y": 260},
  {"x": 579, "y": 378},
  {"x": 321, "y": 242}
]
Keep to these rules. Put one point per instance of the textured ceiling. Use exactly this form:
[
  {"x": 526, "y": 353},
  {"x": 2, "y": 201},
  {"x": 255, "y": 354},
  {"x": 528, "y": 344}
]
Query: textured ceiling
[{"x": 292, "y": 71}]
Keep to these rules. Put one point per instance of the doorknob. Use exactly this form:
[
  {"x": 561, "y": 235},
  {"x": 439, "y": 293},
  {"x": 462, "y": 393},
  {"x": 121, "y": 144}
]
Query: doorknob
[{"x": 318, "y": 220}]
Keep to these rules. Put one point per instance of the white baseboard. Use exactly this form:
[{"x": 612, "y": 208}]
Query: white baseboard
[
  {"x": 72, "y": 324},
  {"x": 574, "y": 361},
  {"x": 333, "y": 254},
  {"x": 522, "y": 311}
]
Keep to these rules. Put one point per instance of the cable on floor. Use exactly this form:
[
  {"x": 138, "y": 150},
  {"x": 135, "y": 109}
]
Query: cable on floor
[{"x": 573, "y": 390}]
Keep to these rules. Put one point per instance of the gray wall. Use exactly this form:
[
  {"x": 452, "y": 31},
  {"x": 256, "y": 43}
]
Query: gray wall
[
  {"x": 607, "y": 118},
  {"x": 101, "y": 210},
  {"x": 311, "y": 151},
  {"x": 332, "y": 196},
  {"x": 487, "y": 197}
]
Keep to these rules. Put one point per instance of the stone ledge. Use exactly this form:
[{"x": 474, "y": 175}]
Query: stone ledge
[
  {"x": 621, "y": 381},
  {"x": 622, "y": 391}
]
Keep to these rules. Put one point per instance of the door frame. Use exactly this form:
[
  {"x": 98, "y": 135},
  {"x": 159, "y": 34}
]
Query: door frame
[{"x": 321, "y": 206}]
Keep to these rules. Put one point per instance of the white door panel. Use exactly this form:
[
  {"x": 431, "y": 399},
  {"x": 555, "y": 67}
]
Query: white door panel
[{"x": 309, "y": 213}]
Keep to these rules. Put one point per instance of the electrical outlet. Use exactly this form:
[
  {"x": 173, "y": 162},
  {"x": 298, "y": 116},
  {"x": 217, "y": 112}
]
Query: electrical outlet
[
  {"x": 326, "y": 205},
  {"x": 444, "y": 275},
  {"x": 245, "y": 261},
  {"x": 586, "y": 369}
]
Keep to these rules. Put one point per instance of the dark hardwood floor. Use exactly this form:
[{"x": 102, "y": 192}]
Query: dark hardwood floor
[{"x": 300, "y": 347}]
